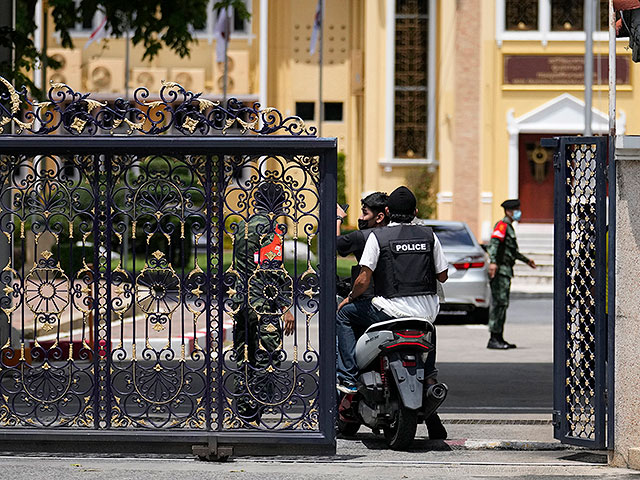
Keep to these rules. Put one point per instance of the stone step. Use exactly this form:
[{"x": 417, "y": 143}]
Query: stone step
[
  {"x": 530, "y": 272},
  {"x": 539, "y": 257},
  {"x": 541, "y": 280},
  {"x": 535, "y": 246},
  {"x": 546, "y": 288},
  {"x": 526, "y": 271},
  {"x": 534, "y": 228}
]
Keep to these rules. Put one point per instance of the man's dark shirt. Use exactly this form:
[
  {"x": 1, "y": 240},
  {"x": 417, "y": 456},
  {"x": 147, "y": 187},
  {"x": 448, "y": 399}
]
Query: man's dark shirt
[
  {"x": 353, "y": 243},
  {"x": 349, "y": 243}
]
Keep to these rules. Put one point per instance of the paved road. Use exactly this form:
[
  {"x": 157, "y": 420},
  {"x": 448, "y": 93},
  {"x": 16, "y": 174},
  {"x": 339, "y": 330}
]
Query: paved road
[
  {"x": 356, "y": 461},
  {"x": 482, "y": 380},
  {"x": 474, "y": 375}
]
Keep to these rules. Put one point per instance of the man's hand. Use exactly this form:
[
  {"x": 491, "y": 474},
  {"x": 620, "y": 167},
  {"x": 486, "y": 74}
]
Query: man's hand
[
  {"x": 289, "y": 322},
  {"x": 340, "y": 215},
  {"x": 343, "y": 303},
  {"x": 493, "y": 268},
  {"x": 532, "y": 264}
]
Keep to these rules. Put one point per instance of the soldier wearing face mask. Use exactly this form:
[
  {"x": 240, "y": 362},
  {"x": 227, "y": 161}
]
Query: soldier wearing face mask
[{"x": 503, "y": 253}]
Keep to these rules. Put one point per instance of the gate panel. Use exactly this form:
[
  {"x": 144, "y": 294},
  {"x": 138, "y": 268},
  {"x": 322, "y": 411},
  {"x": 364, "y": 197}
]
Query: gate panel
[
  {"x": 166, "y": 291},
  {"x": 270, "y": 380},
  {"x": 579, "y": 293},
  {"x": 158, "y": 291},
  {"x": 47, "y": 370}
]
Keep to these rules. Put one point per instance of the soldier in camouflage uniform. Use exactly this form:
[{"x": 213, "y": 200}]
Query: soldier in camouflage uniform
[
  {"x": 257, "y": 253},
  {"x": 503, "y": 253}
]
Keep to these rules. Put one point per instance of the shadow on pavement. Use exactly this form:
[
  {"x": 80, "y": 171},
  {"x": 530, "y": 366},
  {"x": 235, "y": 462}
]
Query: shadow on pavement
[
  {"x": 474, "y": 386},
  {"x": 377, "y": 442}
]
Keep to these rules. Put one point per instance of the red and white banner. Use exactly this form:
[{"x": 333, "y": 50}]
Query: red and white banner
[
  {"x": 222, "y": 30},
  {"x": 317, "y": 25},
  {"x": 98, "y": 34}
]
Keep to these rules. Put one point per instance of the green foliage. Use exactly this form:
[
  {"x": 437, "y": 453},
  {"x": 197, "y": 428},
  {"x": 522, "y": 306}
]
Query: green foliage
[
  {"x": 155, "y": 24},
  {"x": 421, "y": 182},
  {"x": 342, "y": 195},
  {"x": 239, "y": 7},
  {"x": 20, "y": 41}
]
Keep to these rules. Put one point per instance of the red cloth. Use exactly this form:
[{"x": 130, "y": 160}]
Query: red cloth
[
  {"x": 626, "y": 4},
  {"x": 500, "y": 231}
]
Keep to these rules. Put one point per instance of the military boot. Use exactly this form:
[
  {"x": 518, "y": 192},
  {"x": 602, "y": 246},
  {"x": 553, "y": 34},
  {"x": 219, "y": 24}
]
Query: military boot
[
  {"x": 509, "y": 345},
  {"x": 496, "y": 342}
]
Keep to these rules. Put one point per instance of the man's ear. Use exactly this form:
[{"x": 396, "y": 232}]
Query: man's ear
[{"x": 380, "y": 217}]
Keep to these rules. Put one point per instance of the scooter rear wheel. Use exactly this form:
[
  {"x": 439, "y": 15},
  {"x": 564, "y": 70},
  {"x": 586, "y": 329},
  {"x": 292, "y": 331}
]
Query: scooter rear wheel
[{"x": 402, "y": 430}]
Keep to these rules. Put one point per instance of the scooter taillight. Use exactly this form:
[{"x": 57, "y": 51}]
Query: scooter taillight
[
  {"x": 405, "y": 344},
  {"x": 409, "y": 334}
]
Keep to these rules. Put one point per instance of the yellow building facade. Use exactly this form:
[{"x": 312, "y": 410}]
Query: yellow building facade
[{"x": 464, "y": 89}]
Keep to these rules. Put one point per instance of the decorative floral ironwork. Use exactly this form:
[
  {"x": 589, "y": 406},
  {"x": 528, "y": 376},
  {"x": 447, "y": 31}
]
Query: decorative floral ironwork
[
  {"x": 266, "y": 385},
  {"x": 174, "y": 109},
  {"x": 580, "y": 246},
  {"x": 158, "y": 291},
  {"x": 47, "y": 291},
  {"x": 270, "y": 291},
  {"x": 124, "y": 307}
]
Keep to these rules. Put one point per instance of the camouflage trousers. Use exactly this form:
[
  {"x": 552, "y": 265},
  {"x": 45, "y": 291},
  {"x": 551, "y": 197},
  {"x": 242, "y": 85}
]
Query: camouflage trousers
[
  {"x": 500, "y": 287},
  {"x": 257, "y": 346}
]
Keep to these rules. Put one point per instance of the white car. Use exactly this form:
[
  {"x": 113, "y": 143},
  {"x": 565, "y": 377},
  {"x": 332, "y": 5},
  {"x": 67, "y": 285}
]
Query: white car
[{"x": 466, "y": 292}]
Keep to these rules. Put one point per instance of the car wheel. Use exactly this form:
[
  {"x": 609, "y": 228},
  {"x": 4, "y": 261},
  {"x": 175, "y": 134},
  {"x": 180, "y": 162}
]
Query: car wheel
[{"x": 480, "y": 315}]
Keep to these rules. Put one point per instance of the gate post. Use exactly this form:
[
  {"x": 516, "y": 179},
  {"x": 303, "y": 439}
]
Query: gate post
[{"x": 626, "y": 452}]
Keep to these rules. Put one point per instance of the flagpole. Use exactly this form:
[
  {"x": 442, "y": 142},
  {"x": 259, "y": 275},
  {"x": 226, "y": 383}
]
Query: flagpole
[
  {"x": 37, "y": 43},
  {"x": 588, "y": 64},
  {"x": 320, "y": 38},
  {"x": 126, "y": 65},
  {"x": 612, "y": 216},
  {"x": 226, "y": 58},
  {"x": 45, "y": 35}
]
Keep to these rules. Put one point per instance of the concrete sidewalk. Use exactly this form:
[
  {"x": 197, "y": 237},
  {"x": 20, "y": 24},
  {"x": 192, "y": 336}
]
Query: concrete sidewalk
[{"x": 362, "y": 460}]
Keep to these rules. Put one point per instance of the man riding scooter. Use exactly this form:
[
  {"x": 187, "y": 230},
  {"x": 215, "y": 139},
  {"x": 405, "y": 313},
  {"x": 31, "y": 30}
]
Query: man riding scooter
[{"x": 404, "y": 260}]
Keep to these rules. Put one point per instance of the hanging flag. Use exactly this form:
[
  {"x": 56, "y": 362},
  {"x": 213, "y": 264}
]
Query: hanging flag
[
  {"x": 98, "y": 34},
  {"x": 317, "y": 24},
  {"x": 220, "y": 32}
]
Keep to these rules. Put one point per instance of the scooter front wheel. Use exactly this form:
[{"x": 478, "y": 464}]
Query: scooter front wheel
[{"x": 402, "y": 430}]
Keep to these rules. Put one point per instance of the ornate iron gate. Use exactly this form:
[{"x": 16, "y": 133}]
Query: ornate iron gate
[
  {"x": 580, "y": 262},
  {"x": 152, "y": 278}
]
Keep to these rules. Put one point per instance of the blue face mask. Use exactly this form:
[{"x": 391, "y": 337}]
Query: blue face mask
[{"x": 517, "y": 214}]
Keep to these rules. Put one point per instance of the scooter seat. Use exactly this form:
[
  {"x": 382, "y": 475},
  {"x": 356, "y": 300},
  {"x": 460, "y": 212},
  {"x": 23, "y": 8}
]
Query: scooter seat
[{"x": 403, "y": 323}]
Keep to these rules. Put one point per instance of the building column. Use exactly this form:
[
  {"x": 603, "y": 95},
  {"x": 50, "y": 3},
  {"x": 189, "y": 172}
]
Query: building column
[
  {"x": 626, "y": 451},
  {"x": 467, "y": 126}
]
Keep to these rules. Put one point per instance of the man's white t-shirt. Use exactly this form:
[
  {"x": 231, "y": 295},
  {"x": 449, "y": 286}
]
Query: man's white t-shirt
[{"x": 425, "y": 306}]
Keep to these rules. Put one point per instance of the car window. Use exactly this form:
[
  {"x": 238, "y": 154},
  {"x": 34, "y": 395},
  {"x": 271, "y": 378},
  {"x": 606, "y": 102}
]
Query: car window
[{"x": 453, "y": 236}]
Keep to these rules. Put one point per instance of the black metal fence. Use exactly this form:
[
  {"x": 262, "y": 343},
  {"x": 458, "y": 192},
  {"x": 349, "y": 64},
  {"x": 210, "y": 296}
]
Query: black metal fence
[
  {"x": 580, "y": 318},
  {"x": 166, "y": 290}
]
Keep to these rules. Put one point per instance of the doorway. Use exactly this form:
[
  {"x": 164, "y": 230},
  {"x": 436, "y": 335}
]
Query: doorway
[{"x": 535, "y": 178}]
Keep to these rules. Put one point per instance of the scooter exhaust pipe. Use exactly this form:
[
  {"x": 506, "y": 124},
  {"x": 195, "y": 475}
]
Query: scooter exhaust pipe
[{"x": 434, "y": 397}]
